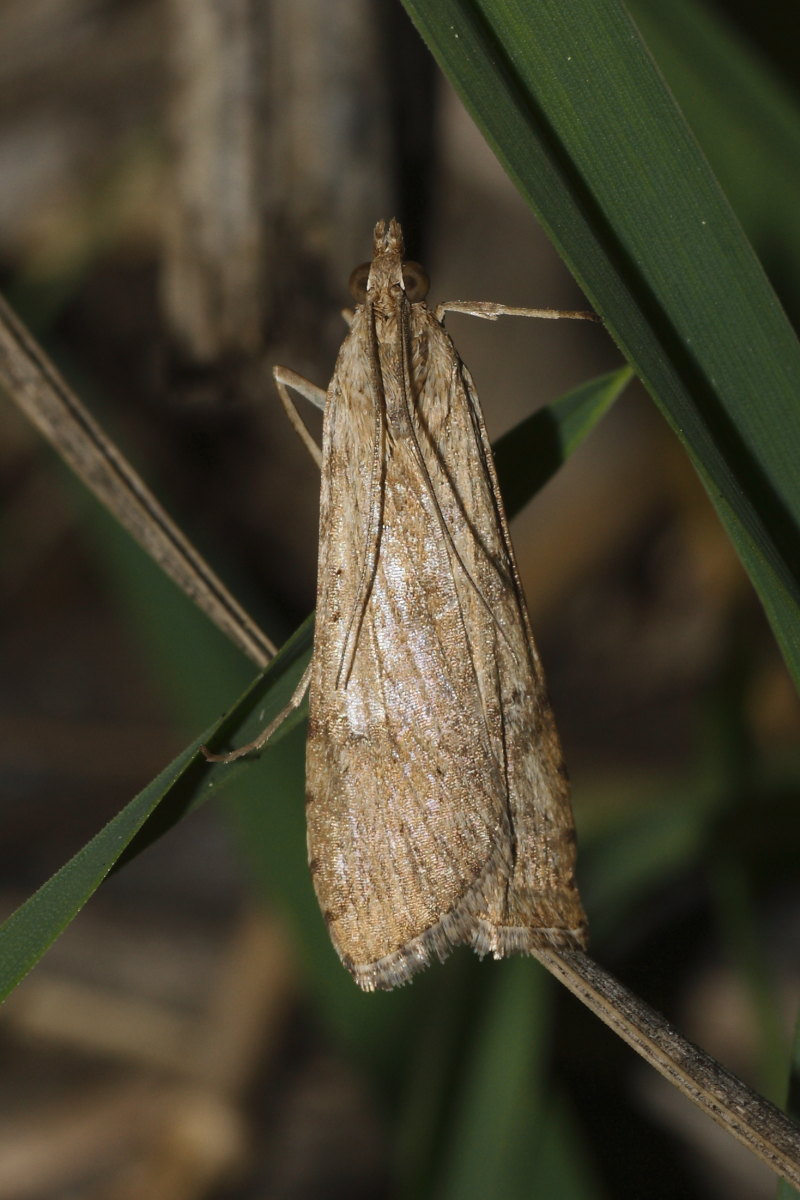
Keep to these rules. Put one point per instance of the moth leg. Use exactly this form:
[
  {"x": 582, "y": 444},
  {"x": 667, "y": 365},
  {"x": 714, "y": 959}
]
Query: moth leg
[
  {"x": 286, "y": 379},
  {"x": 259, "y": 742},
  {"x": 491, "y": 311}
]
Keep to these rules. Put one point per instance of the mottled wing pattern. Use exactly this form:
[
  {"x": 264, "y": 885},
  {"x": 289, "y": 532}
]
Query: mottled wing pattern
[
  {"x": 541, "y": 905},
  {"x": 391, "y": 855},
  {"x": 438, "y": 809}
]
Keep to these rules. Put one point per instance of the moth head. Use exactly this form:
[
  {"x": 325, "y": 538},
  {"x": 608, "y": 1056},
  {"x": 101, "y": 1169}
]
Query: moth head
[
  {"x": 414, "y": 277},
  {"x": 388, "y": 271}
]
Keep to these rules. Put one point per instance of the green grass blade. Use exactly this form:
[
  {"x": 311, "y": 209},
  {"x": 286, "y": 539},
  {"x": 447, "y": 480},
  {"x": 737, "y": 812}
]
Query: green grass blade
[
  {"x": 494, "y": 1125},
  {"x": 36, "y": 924},
  {"x": 530, "y": 454},
  {"x": 745, "y": 118},
  {"x": 578, "y": 114},
  {"x": 186, "y": 782}
]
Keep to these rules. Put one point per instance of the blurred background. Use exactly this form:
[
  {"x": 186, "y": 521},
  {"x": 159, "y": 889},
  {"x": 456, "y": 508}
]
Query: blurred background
[{"x": 187, "y": 185}]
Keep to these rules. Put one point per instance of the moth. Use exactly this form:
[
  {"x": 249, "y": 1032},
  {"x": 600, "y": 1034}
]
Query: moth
[{"x": 438, "y": 808}]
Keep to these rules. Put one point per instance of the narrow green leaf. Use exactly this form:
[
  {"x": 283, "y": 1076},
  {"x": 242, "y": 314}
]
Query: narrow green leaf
[
  {"x": 494, "y": 1125},
  {"x": 745, "y": 118},
  {"x": 577, "y": 112},
  {"x": 186, "y": 782},
  {"x": 530, "y": 454},
  {"x": 29, "y": 931}
]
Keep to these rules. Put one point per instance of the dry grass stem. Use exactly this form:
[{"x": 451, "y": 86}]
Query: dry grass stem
[{"x": 35, "y": 385}]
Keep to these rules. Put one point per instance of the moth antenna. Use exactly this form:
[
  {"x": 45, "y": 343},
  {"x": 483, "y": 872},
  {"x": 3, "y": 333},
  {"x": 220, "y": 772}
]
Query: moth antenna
[
  {"x": 372, "y": 540},
  {"x": 448, "y": 537}
]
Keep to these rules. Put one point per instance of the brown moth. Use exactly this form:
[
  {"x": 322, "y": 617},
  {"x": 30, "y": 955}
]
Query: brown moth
[{"x": 437, "y": 799}]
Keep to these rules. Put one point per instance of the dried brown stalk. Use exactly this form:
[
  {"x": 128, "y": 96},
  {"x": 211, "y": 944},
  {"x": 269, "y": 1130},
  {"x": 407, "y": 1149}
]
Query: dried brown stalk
[
  {"x": 35, "y": 385},
  {"x": 760, "y": 1126}
]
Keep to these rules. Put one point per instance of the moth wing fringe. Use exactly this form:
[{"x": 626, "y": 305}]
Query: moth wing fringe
[
  {"x": 462, "y": 927},
  {"x": 502, "y": 940}
]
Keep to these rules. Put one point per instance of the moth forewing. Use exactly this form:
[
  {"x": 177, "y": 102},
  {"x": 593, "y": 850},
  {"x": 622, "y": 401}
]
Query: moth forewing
[{"x": 438, "y": 807}]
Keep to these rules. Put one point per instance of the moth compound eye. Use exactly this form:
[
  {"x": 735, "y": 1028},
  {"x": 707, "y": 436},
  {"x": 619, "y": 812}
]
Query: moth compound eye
[
  {"x": 415, "y": 281},
  {"x": 357, "y": 283}
]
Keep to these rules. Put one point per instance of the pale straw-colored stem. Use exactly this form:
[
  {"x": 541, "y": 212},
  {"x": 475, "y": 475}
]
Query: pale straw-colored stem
[
  {"x": 759, "y": 1125},
  {"x": 35, "y": 385}
]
